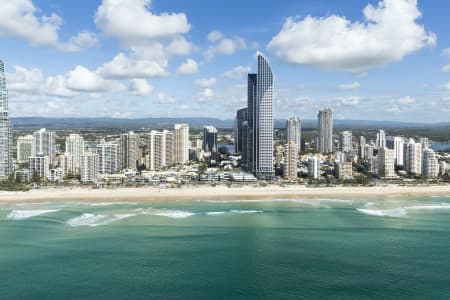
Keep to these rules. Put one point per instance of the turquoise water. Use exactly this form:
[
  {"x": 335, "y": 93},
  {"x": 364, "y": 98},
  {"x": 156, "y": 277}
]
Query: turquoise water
[{"x": 293, "y": 249}]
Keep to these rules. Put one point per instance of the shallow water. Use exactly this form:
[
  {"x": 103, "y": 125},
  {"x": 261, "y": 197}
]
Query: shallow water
[{"x": 281, "y": 249}]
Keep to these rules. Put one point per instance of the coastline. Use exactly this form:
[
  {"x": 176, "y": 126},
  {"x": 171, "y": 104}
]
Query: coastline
[{"x": 192, "y": 193}]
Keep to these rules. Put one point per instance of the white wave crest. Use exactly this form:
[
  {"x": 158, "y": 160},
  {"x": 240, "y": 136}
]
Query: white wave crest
[
  {"x": 175, "y": 214},
  {"x": 429, "y": 207},
  {"x": 216, "y": 213},
  {"x": 393, "y": 213},
  {"x": 92, "y": 220},
  {"x": 236, "y": 211},
  {"x": 25, "y": 214},
  {"x": 111, "y": 203}
]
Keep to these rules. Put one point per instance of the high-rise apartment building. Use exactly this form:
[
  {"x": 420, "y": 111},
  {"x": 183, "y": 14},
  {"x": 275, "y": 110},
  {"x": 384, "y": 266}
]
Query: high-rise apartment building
[
  {"x": 251, "y": 116},
  {"x": 161, "y": 149},
  {"x": 5, "y": 128},
  {"x": 345, "y": 141},
  {"x": 129, "y": 150},
  {"x": 89, "y": 167},
  {"x": 44, "y": 143},
  {"x": 361, "y": 147},
  {"x": 239, "y": 141},
  {"x": 386, "y": 163},
  {"x": 293, "y": 132},
  {"x": 325, "y": 139},
  {"x": 314, "y": 167},
  {"x": 39, "y": 165},
  {"x": 290, "y": 161},
  {"x": 414, "y": 158},
  {"x": 181, "y": 143},
  {"x": 396, "y": 143},
  {"x": 108, "y": 157},
  {"x": 430, "y": 165},
  {"x": 210, "y": 139},
  {"x": 24, "y": 147},
  {"x": 381, "y": 139},
  {"x": 75, "y": 148}
]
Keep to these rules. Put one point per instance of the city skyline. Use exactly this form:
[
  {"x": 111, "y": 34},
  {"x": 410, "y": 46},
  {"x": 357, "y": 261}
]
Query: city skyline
[{"x": 82, "y": 58}]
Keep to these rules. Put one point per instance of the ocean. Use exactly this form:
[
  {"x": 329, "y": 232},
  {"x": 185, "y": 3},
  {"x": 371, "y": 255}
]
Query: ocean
[{"x": 394, "y": 248}]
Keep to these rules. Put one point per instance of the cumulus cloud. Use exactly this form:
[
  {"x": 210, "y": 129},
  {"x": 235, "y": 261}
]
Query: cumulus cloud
[
  {"x": 214, "y": 36},
  {"x": 123, "y": 67},
  {"x": 350, "y": 100},
  {"x": 389, "y": 33},
  {"x": 57, "y": 86},
  {"x": 447, "y": 86},
  {"x": 225, "y": 46},
  {"x": 237, "y": 72},
  {"x": 188, "y": 67},
  {"x": 406, "y": 100},
  {"x": 140, "y": 87},
  {"x": 205, "y": 94},
  {"x": 21, "y": 19},
  {"x": 25, "y": 80},
  {"x": 446, "y": 68},
  {"x": 205, "y": 82},
  {"x": 163, "y": 98},
  {"x": 350, "y": 86},
  {"x": 82, "y": 79}
]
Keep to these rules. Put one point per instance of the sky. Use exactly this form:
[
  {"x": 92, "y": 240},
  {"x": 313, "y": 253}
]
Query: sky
[{"x": 365, "y": 59}]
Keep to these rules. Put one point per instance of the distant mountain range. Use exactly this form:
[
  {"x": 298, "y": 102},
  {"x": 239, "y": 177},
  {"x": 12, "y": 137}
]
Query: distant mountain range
[{"x": 158, "y": 123}]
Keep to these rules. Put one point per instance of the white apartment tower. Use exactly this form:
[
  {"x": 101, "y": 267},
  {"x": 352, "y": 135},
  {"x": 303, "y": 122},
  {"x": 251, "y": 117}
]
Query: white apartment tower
[
  {"x": 181, "y": 143},
  {"x": 75, "y": 148},
  {"x": 108, "y": 157},
  {"x": 381, "y": 139},
  {"x": 39, "y": 165},
  {"x": 89, "y": 167},
  {"x": 396, "y": 143},
  {"x": 24, "y": 147},
  {"x": 430, "y": 166},
  {"x": 44, "y": 143},
  {"x": 129, "y": 150},
  {"x": 290, "y": 161},
  {"x": 293, "y": 132},
  {"x": 386, "y": 163},
  {"x": 325, "y": 139},
  {"x": 314, "y": 167},
  {"x": 414, "y": 158},
  {"x": 161, "y": 149},
  {"x": 345, "y": 141},
  {"x": 5, "y": 128}
]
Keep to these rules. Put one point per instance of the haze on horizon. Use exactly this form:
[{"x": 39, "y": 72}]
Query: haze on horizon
[{"x": 376, "y": 60}]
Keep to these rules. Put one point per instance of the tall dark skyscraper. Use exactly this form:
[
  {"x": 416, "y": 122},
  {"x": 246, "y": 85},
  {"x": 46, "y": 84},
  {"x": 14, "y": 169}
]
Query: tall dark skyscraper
[
  {"x": 325, "y": 139},
  {"x": 241, "y": 117},
  {"x": 210, "y": 139},
  {"x": 5, "y": 128},
  {"x": 251, "y": 115}
]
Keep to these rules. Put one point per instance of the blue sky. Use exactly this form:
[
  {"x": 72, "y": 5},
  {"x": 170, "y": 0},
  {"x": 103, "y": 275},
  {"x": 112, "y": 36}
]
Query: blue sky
[{"x": 382, "y": 60}]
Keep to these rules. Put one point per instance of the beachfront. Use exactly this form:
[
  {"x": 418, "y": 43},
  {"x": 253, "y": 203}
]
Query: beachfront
[{"x": 62, "y": 194}]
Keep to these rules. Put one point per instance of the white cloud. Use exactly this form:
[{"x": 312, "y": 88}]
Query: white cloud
[
  {"x": 122, "y": 67},
  {"x": 25, "y": 80},
  {"x": 205, "y": 82},
  {"x": 214, "y": 36},
  {"x": 205, "y": 94},
  {"x": 163, "y": 98},
  {"x": 179, "y": 46},
  {"x": 350, "y": 86},
  {"x": 82, "y": 79},
  {"x": 446, "y": 52},
  {"x": 406, "y": 100},
  {"x": 140, "y": 87},
  {"x": 446, "y": 68},
  {"x": 350, "y": 100},
  {"x": 131, "y": 21},
  {"x": 393, "y": 109},
  {"x": 57, "y": 86},
  {"x": 237, "y": 72},
  {"x": 20, "y": 18},
  {"x": 188, "y": 67},
  {"x": 447, "y": 86},
  {"x": 336, "y": 43},
  {"x": 226, "y": 46},
  {"x": 184, "y": 107}
]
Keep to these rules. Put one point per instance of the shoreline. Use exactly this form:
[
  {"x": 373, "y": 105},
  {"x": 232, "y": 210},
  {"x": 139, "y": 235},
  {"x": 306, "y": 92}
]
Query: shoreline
[{"x": 192, "y": 193}]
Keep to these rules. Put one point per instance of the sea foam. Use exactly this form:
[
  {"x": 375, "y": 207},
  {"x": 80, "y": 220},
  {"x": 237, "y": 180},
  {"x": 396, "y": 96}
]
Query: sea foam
[
  {"x": 26, "y": 214},
  {"x": 92, "y": 220},
  {"x": 393, "y": 213}
]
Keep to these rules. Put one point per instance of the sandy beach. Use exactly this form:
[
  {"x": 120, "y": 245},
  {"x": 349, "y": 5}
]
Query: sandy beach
[{"x": 144, "y": 194}]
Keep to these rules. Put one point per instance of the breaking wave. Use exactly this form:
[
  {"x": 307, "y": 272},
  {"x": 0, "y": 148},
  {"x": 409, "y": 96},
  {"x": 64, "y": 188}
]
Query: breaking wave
[{"x": 26, "y": 214}]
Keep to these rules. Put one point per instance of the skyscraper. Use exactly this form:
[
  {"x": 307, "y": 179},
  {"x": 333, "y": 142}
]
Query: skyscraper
[
  {"x": 293, "y": 132},
  {"x": 314, "y": 167},
  {"x": 24, "y": 148},
  {"x": 210, "y": 139},
  {"x": 263, "y": 121},
  {"x": 414, "y": 158},
  {"x": 251, "y": 116},
  {"x": 108, "y": 157},
  {"x": 325, "y": 140},
  {"x": 161, "y": 149},
  {"x": 430, "y": 165},
  {"x": 381, "y": 139},
  {"x": 241, "y": 117},
  {"x": 75, "y": 148},
  {"x": 129, "y": 150},
  {"x": 181, "y": 143},
  {"x": 44, "y": 143},
  {"x": 386, "y": 163},
  {"x": 396, "y": 143},
  {"x": 345, "y": 141},
  {"x": 290, "y": 161},
  {"x": 5, "y": 128},
  {"x": 361, "y": 147},
  {"x": 89, "y": 167}
]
